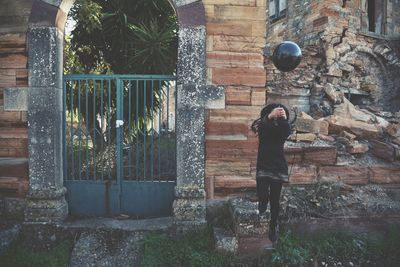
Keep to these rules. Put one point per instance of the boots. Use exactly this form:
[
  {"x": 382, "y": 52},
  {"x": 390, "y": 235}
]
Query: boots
[
  {"x": 262, "y": 207},
  {"x": 272, "y": 233}
]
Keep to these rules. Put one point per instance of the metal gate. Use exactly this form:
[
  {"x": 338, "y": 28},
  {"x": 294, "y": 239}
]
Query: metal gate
[{"x": 119, "y": 145}]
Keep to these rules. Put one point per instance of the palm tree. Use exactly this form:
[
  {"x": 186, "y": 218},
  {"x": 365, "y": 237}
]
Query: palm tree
[{"x": 121, "y": 37}]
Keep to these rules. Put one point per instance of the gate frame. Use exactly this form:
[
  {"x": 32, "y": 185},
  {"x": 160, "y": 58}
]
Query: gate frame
[
  {"x": 95, "y": 196},
  {"x": 46, "y": 195}
]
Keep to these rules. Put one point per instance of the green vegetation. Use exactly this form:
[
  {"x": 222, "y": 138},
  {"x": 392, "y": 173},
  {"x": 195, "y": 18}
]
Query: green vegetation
[
  {"x": 321, "y": 249},
  {"x": 22, "y": 254},
  {"x": 197, "y": 249},
  {"x": 123, "y": 37}
]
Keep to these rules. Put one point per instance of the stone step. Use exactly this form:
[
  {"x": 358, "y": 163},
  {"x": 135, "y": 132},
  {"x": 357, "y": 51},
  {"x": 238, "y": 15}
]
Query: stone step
[
  {"x": 246, "y": 220},
  {"x": 249, "y": 234}
]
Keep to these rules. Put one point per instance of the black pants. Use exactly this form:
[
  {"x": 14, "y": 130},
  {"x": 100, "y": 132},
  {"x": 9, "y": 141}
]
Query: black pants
[{"x": 270, "y": 191}]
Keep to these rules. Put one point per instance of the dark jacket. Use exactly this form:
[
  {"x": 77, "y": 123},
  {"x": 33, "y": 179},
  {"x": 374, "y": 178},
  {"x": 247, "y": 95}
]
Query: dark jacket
[{"x": 272, "y": 135}]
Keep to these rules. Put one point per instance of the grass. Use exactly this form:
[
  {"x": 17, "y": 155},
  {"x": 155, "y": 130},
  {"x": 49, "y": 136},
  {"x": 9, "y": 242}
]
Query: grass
[
  {"x": 21, "y": 254},
  {"x": 321, "y": 249},
  {"x": 194, "y": 249},
  {"x": 197, "y": 249}
]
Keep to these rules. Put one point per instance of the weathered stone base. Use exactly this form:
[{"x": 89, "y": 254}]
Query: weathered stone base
[
  {"x": 189, "y": 208},
  {"x": 54, "y": 208},
  {"x": 189, "y": 204}
]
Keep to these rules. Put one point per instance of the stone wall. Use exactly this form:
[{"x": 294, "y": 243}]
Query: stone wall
[
  {"x": 13, "y": 119},
  {"x": 235, "y": 42}
]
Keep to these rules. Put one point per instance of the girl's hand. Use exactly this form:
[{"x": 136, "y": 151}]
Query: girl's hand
[{"x": 277, "y": 113}]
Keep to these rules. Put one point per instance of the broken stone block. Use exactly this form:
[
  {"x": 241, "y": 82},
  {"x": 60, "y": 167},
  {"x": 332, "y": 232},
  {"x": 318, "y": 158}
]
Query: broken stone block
[
  {"x": 396, "y": 141},
  {"x": 348, "y": 135},
  {"x": 383, "y": 150},
  {"x": 385, "y": 175},
  {"x": 382, "y": 122},
  {"x": 225, "y": 241},
  {"x": 347, "y": 174},
  {"x": 360, "y": 129},
  {"x": 357, "y": 148},
  {"x": 343, "y": 141},
  {"x": 335, "y": 96},
  {"x": 349, "y": 111},
  {"x": 305, "y": 137},
  {"x": 303, "y": 174},
  {"x": 306, "y": 125},
  {"x": 327, "y": 138},
  {"x": 325, "y": 155},
  {"x": 393, "y": 130},
  {"x": 305, "y": 116}
]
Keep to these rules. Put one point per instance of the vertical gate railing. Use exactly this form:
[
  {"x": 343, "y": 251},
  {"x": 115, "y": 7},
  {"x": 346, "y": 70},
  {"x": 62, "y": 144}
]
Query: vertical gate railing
[{"x": 119, "y": 128}]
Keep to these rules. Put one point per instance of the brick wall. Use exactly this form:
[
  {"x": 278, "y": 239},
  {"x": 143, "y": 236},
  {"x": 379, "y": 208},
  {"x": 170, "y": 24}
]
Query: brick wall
[
  {"x": 13, "y": 124},
  {"x": 331, "y": 37},
  {"x": 235, "y": 42}
]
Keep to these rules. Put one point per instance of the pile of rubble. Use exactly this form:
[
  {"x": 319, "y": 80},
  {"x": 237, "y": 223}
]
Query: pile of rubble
[
  {"x": 338, "y": 200},
  {"x": 354, "y": 131}
]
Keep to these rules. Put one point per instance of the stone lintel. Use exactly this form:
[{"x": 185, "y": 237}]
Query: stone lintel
[
  {"x": 47, "y": 13},
  {"x": 15, "y": 99}
]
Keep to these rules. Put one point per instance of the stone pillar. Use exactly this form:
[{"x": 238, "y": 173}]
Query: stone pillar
[
  {"x": 46, "y": 195},
  {"x": 193, "y": 97}
]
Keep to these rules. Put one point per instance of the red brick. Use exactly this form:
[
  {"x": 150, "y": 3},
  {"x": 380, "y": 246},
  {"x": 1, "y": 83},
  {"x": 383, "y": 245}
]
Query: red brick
[
  {"x": 258, "y": 96},
  {"x": 209, "y": 186},
  {"x": 303, "y": 174},
  {"x": 14, "y": 133},
  {"x": 234, "y": 60},
  {"x": 320, "y": 21},
  {"x": 235, "y": 28},
  {"x": 383, "y": 150},
  {"x": 346, "y": 174},
  {"x": 385, "y": 175},
  {"x": 14, "y": 61},
  {"x": 8, "y": 78},
  {"x": 234, "y": 182},
  {"x": 294, "y": 154},
  {"x": 221, "y": 128},
  {"x": 328, "y": 12},
  {"x": 235, "y": 95},
  {"x": 255, "y": 77},
  {"x": 231, "y": 150},
  {"x": 320, "y": 155}
]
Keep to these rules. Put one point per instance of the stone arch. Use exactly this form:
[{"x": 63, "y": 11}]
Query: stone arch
[
  {"x": 46, "y": 201},
  {"x": 376, "y": 79}
]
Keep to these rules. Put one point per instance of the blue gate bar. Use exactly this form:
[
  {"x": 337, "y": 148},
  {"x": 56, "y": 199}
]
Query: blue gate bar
[
  {"x": 128, "y": 169},
  {"x": 138, "y": 151}
]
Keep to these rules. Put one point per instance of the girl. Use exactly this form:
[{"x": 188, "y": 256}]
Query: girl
[{"x": 273, "y": 129}]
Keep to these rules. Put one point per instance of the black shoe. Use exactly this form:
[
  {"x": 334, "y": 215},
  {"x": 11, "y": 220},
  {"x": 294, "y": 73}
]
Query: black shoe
[
  {"x": 262, "y": 207},
  {"x": 272, "y": 234}
]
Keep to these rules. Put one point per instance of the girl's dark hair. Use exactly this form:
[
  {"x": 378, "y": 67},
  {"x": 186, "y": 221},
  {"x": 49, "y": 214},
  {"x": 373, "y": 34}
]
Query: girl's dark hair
[{"x": 255, "y": 126}]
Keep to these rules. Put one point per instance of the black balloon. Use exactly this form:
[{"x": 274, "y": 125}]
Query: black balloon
[{"x": 287, "y": 56}]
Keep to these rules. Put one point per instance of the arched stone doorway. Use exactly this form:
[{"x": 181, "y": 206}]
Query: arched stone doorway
[{"x": 46, "y": 196}]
